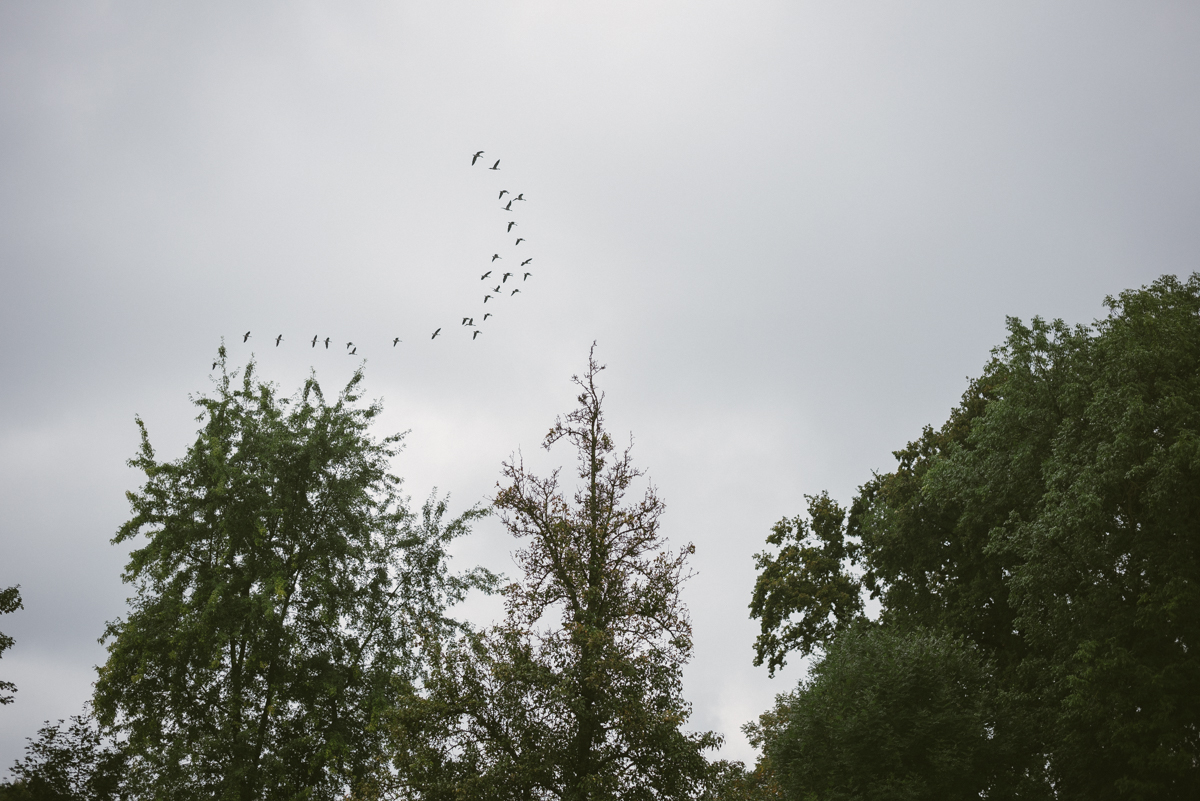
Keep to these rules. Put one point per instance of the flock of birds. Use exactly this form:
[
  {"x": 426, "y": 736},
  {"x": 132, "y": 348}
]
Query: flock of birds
[{"x": 519, "y": 274}]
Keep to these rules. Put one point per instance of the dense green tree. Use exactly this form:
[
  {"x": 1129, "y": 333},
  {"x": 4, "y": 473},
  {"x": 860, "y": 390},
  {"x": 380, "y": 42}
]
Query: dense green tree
[
  {"x": 10, "y": 601},
  {"x": 887, "y": 715},
  {"x": 70, "y": 761},
  {"x": 282, "y": 593},
  {"x": 577, "y": 695},
  {"x": 1054, "y": 522}
]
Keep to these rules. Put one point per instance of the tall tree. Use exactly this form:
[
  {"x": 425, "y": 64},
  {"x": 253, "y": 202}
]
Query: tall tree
[
  {"x": 280, "y": 597},
  {"x": 10, "y": 601},
  {"x": 577, "y": 695},
  {"x": 1054, "y": 522}
]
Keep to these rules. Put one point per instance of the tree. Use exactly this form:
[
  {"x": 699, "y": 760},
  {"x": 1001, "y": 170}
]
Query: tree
[
  {"x": 280, "y": 599},
  {"x": 1053, "y": 521},
  {"x": 72, "y": 761},
  {"x": 577, "y": 695},
  {"x": 10, "y": 601},
  {"x": 886, "y": 715}
]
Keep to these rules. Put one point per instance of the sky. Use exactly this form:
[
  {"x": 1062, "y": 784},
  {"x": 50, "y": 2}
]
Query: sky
[{"x": 793, "y": 230}]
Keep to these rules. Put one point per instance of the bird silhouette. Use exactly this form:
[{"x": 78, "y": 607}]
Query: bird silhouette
[
  {"x": 526, "y": 261},
  {"x": 247, "y": 336},
  {"x": 475, "y": 158},
  {"x": 435, "y": 333},
  {"x": 506, "y": 277},
  {"x": 520, "y": 239},
  {"x": 477, "y": 333},
  {"x": 495, "y": 166},
  {"x": 495, "y": 256},
  {"x": 496, "y": 289},
  {"x": 348, "y": 344},
  {"x": 515, "y": 291},
  {"x": 278, "y": 339},
  {"x": 526, "y": 278},
  {"x": 503, "y": 192},
  {"x": 326, "y": 343},
  {"x": 485, "y": 275},
  {"x": 464, "y": 322},
  {"x": 511, "y": 223},
  {"x": 509, "y": 206},
  {"x": 214, "y": 366},
  {"x": 353, "y": 352},
  {"x": 314, "y": 344},
  {"x": 394, "y": 341},
  {"x": 486, "y": 298},
  {"x": 487, "y": 315},
  {"x": 520, "y": 196}
]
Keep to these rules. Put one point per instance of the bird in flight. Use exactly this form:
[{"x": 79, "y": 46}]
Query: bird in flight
[
  {"x": 475, "y": 158},
  {"x": 520, "y": 196},
  {"x": 495, "y": 166},
  {"x": 485, "y": 275},
  {"x": 394, "y": 341},
  {"x": 314, "y": 340},
  {"x": 278, "y": 339},
  {"x": 506, "y": 277},
  {"x": 511, "y": 223},
  {"x": 348, "y": 344},
  {"x": 509, "y": 206},
  {"x": 353, "y": 352},
  {"x": 526, "y": 261},
  {"x": 487, "y": 315},
  {"x": 486, "y": 298},
  {"x": 477, "y": 333},
  {"x": 526, "y": 278},
  {"x": 247, "y": 336},
  {"x": 326, "y": 343},
  {"x": 515, "y": 291},
  {"x": 495, "y": 256},
  {"x": 435, "y": 333},
  {"x": 520, "y": 239},
  {"x": 503, "y": 192},
  {"x": 496, "y": 289}
]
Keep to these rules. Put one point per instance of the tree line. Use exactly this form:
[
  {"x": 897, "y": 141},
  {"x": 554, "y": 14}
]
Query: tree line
[{"x": 1012, "y": 612}]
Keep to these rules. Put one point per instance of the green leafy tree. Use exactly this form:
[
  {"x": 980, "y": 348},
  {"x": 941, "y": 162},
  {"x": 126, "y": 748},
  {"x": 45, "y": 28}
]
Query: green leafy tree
[
  {"x": 10, "y": 601},
  {"x": 70, "y": 761},
  {"x": 886, "y": 715},
  {"x": 1054, "y": 522},
  {"x": 577, "y": 695},
  {"x": 282, "y": 593}
]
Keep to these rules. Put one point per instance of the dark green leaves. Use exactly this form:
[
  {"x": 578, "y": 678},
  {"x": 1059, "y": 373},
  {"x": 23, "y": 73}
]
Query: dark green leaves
[
  {"x": 804, "y": 593},
  {"x": 10, "y": 601},
  {"x": 282, "y": 595}
]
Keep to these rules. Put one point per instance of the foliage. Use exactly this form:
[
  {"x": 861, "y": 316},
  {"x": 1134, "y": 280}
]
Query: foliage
[
  {"x": 75, "y": 763},
  {"x": 10, "y": 601},
  {"x": 886, "y": 715},
  {"x": 1054, "y": 522},
  {"x": 280, "y": 599},
  {"x": 577, "y": 695},
  {"x": 804, "y": 593}
]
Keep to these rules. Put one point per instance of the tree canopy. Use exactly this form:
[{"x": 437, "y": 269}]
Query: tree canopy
[
  {"x": 577, "y": 695},
  {"x": 1053, "y": 522},
  {"x": 281, "y": 594}
]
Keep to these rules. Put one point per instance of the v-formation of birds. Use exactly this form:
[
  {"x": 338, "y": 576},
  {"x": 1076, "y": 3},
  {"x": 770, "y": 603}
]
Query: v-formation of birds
[{"x": 500, "y": 290}]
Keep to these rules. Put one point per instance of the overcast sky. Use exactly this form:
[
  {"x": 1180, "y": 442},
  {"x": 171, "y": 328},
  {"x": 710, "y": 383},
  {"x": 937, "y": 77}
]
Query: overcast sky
[{"x": 793, "y": 229}]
